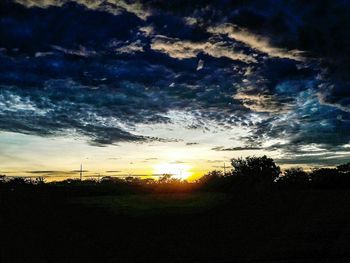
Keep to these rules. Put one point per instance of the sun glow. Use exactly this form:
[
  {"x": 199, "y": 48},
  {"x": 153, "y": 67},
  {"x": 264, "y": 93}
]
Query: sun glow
[{"x": 177, "y": 170}]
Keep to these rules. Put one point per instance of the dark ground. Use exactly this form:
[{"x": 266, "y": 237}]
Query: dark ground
[{"x": 309, "y": 225}]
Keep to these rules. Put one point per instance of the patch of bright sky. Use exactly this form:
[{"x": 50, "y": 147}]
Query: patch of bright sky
[{"x": 20, "y": 153}]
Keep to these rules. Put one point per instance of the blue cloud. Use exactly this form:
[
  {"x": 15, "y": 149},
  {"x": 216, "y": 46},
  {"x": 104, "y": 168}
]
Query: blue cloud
[{"x": 70, "y": 68}]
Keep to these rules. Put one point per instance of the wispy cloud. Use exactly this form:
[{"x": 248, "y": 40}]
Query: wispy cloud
[
  {"x": 254, "y": 41},
  {"x": 115, "y": 66},
  {"x": 113, "y": 7},
  {"x": 233, "y": 149},
  {"x": 186, "y": 49}
]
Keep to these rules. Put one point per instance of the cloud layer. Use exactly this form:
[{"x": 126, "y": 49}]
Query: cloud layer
[{"x": 97, "y": 69}]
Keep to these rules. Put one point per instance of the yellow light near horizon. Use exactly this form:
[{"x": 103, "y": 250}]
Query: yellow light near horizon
[{"x": 177, "y": 170}]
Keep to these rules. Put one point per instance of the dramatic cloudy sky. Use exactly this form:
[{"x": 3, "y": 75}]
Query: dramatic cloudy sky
[{"x": 137, "y": 88}]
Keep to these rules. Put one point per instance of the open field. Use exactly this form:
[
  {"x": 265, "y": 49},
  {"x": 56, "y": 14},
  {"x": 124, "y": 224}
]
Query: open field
[
  {"x": 277, "y": 226},
  {"x": 155, "y": 204}
]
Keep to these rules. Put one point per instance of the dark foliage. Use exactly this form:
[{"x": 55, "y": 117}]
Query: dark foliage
[
  {"x": 259, "y": 169},
  {"x": 35, "y": 212},
  {"x": 330, "y": 178},
  {"x": 338, "y": 177},
  {"x": 344, "y": 168},
  {"x": 294, "y": 176},
  {"x": 252, "y": 172},
  {"x": 261, "y": 173},
  {"x": 256, "y": 172},
  {"x": 212, "y": 180}
]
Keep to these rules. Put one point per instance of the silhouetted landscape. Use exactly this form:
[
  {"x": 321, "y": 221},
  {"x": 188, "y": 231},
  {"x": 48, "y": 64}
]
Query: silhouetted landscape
[
  {"x": 252, "y": 213},
  {"x": 175, "y": 131}
]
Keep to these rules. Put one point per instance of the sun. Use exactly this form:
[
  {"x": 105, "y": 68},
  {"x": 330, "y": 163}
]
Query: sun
[{"x": 177, "y": 170}]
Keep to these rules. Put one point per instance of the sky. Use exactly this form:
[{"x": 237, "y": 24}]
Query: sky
[{"x": 149, "y": 87}]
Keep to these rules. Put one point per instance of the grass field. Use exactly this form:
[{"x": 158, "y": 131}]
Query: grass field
[
  {"x": 295, "y": 226},
  {"x": 155, "y": 204}
]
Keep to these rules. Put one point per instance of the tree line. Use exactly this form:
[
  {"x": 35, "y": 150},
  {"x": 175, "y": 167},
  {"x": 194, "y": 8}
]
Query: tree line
[
  {"x": 252, "y": 172},
  {"x": 262, "y": 173}
]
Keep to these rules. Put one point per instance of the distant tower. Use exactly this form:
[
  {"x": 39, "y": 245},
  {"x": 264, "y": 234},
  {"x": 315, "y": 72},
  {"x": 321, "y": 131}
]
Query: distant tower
[
  {"x": 81, "y": 172},
  {"x": 224, "y": 169}
]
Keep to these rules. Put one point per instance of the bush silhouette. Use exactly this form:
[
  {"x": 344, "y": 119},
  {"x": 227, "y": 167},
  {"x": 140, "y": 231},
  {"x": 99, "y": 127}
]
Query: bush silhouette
[
  {"x": 213, "y": 180},
  {"x": 19, "y": 181},
  {"x": 256, "y": 169},
  {"x": 2, "y": 178},
  {"x": 344, "y": 168},
  {"x": 256, "y": 172},
  {"x": 330, "y": 178},
  {"x": 294, "y": 176},
  {"x": 165, "y": 178}
]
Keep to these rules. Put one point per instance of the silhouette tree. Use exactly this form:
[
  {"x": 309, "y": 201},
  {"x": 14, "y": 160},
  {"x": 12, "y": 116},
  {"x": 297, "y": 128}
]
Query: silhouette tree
[
  {"x": 2, "y": 178},
  {"x": 165, "y": 178},
  {"x": 19, "y": 182},
  {"x": 211, "y": 176},
  {"x": 294, "y": 176},
  {"x": 344, "y": 168},
  {"x": 212, "y": 180},
  {"x": 40, "y": 180},
  {"x": 330, "y": 177},
  {"x": 148, "y": 181},
  {"x": 132, "y": 179},
  {"x": 257, "y": 169}
]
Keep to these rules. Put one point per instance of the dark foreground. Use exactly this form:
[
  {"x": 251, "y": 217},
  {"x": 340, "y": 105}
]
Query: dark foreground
[{"x": 310, "y": 225}]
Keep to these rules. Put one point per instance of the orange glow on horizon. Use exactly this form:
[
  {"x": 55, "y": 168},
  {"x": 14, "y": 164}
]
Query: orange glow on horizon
[{"x": 178, "y": 170}]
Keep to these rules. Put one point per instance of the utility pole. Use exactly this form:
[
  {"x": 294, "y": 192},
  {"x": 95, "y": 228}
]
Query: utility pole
[
  {"x": 81, "y": 172},
  {"x": 224, "y": 168}
]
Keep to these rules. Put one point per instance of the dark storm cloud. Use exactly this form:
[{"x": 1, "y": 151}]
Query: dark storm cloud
[
  {"x": 318, "y": 28},
  {"x": 233, "y": 149},
  {"x": 41, "y": 172},
  {"x": 97, "y": 69},
  {"x": 191, "y": 143},
  {"x": 89, "y": 88},
  {"x": 63, "y": 107},
  {"x": 52, "y": 173},
  {"x": 324, "y": 159}
]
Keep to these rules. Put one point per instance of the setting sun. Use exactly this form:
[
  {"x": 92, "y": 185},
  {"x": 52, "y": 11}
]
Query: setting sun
[
  {"x": 177, "y": 131},
  {"x": 178, "y": 170}
]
